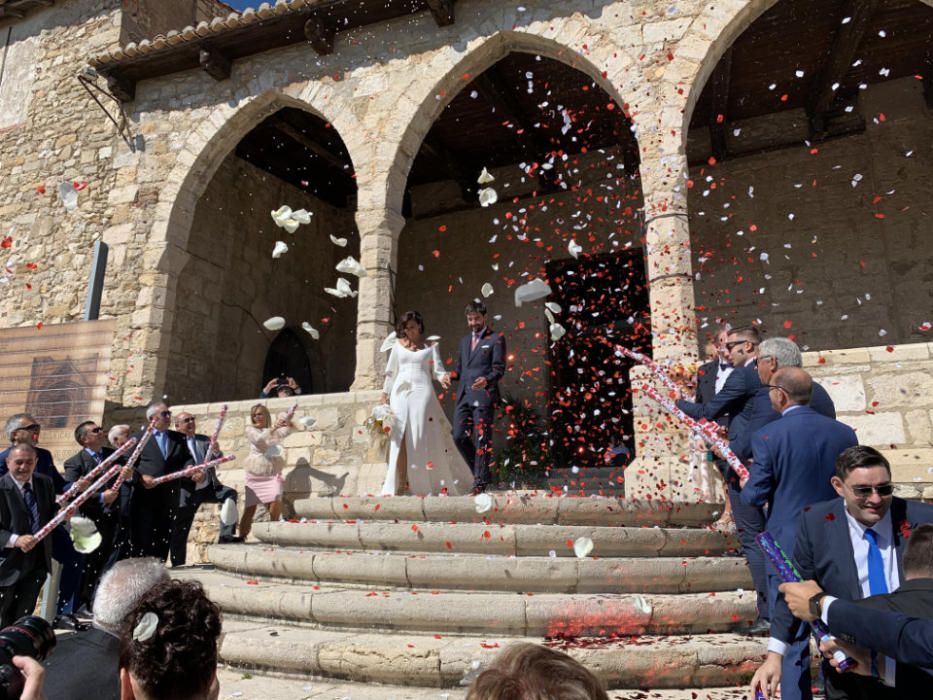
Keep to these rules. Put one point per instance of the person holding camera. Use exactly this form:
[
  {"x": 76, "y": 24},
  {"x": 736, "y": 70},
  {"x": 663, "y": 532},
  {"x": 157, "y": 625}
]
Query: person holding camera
[
  {"x": 279, "y": 388},
  {"x": 27, "y": 502}
]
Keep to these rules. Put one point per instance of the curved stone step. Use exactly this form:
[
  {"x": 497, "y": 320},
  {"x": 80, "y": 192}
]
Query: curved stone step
[
  {"x": 440, "y": 660},
  {"x": 479, "y": 572},
  {"x": 512, "y": 507},
  {"x": 480, "y": 538},
  {"x": 529, "y": 614}
]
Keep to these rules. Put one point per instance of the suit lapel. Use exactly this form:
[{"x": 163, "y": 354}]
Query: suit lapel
[
  {"x": 841, "y": 544},
  {"x": 479, "y": 342}
]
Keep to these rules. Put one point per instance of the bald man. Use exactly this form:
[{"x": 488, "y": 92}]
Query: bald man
[{"x": 794, "y": 461}]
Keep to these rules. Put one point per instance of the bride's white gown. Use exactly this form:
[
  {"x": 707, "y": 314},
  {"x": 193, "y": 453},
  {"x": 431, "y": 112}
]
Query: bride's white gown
[{"x": 434, "y": 464}]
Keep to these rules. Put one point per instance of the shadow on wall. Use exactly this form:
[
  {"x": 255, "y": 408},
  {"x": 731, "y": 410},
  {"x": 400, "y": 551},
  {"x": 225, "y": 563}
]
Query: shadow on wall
[{"x": 298, "y": 485}]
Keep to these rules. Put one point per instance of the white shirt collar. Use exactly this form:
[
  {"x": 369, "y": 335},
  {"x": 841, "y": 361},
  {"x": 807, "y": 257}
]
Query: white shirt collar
[
  {"x": 883, "y": 529},
  {"x": 789, "y": 409},
  {"x": 22, "y": 484}
]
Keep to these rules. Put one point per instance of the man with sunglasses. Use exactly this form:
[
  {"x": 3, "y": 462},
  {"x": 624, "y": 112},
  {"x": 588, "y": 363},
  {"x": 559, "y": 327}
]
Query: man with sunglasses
[
  {"x": 153, "y": 507},
  {"x": 23, "y": 429},
  {"x": 102, "y": 509},
  {"x": 853, "y": 547},
  {"x": 793, "y": 465}
]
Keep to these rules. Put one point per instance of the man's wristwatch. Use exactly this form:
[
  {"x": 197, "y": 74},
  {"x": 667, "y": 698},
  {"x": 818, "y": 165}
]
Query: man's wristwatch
[{"x": 815, "y": 609}]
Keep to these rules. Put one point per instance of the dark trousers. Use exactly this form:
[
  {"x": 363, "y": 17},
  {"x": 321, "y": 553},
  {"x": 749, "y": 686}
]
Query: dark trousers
[
  {"x": 749, "y": 523},
  {"x": 95, "y": 563},
  {"x": 72, "y": 563},
  {"x": 184, "y": 516},
  {"x": 472, "y": 431},
  {"x": 150, "y": 521},
  {"x": 20, "y": 598}
]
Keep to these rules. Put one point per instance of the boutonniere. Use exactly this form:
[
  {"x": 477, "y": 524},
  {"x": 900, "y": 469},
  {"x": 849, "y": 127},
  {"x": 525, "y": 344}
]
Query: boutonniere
[{"x": 905, "y": 530}]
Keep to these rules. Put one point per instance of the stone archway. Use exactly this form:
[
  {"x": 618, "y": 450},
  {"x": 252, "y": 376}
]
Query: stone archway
[{"x": 161, "y": 309}]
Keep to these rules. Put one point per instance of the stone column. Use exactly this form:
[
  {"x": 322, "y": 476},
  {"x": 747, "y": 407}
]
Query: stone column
[
  {"x": 379, "y": 232},
  {"x": 662, "y": 447}
]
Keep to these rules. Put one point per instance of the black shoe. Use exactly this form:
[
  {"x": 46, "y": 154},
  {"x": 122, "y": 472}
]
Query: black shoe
[
  {"x": 759, "y": 628},
  {"x": 69, "y": 622},
  {"x": 230, "y": 539}
]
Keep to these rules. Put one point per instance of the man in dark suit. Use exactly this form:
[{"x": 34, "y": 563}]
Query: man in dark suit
[
  {"x": 151, "y": 506},
  {"x": 852, "y": 547},
  {"x": 914, "y": 598},
  {"x": 480, "y": 366},
  {"x": 735, "y": 400},
  {"x": 85, "y": 666},
  {"x": 202, "y": 488},
  {"x": 793, "y": 466},
  {"x": 27, "y": 502},
  {"x": 775, "y": 354},
  {"x": 102, "y": 509},
  {"x": 22, "y": 428}
]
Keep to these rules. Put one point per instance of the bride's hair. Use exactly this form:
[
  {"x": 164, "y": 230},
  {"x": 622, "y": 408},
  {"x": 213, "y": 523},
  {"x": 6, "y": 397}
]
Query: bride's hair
[{"x": 403, "y": 321}]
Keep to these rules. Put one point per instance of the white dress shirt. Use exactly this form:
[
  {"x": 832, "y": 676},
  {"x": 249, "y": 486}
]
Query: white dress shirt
[
  {"x": 722, "y": 375},
  {"x": 191, "y": 445}
]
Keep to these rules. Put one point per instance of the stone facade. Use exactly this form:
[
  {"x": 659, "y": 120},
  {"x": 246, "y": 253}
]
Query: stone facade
[{"x": 381, "y": 89}]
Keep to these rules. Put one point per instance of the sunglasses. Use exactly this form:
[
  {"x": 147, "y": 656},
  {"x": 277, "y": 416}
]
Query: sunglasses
[
  {"x": 189, "y": 419},
  {"x": 98, "y": 429},
  {"x": 866, "y": 491},
  {"x": 34, "y": 428},
  {"x": 165, "y": 414},
  {"x": 734, "y": 343}
]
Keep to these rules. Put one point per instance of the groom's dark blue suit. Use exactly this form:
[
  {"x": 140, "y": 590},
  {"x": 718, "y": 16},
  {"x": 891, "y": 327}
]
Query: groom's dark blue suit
[{"x": 475, "y": 409}]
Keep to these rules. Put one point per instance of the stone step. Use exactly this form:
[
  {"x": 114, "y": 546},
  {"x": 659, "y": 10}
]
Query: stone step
[
  {"x": 498, "y": 613},
  {"x": 235, "y": 684},
  {"x": 512, "y": 507},
  {"x": 496, "y": 538},
  {"x": 441, "y": 660},
  {"x": 487, "y": 572}
]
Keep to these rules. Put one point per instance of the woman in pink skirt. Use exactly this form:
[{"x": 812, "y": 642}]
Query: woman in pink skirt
[{"x": 264, "y": 465}]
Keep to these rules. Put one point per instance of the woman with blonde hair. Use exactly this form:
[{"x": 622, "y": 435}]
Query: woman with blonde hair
[{"x": 264, "y": 465}]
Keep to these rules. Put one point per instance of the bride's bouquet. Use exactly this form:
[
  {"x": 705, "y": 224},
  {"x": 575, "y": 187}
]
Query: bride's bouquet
[{"x": 380, "y": 421}]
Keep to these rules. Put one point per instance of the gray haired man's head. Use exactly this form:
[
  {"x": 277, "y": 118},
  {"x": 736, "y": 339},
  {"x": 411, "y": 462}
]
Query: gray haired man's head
[
  {"x": 121, "y": 588},
  {"x": 775, "y": 354}
]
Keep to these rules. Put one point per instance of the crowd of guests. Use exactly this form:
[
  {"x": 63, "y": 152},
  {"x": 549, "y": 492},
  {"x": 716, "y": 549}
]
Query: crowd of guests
[{"x": 829, "y": 503}]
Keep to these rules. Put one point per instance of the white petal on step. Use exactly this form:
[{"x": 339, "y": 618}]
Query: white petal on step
[
  {"x": 482, "y": 502},
  {"x": 582, "y": 546}
]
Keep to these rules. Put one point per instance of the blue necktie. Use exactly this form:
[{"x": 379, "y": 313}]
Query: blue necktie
[
  {"x": 877, "y": 583},
  {"x": 33, "y": 506},
  {"x": 161, "y": 438}
]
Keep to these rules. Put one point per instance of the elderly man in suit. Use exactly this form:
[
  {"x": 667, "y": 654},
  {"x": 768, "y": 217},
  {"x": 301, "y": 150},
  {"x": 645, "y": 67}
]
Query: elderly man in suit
[
  {"x": 85, "y": 666},
  {"x": 205, "y": 488},
  {"x": 102, "y": 509},
  {"x": 152, "y": 506},
  {"x": 852, "y": 547},
  {"x": 775, "y": 354},
  {"x": 793, "y": 466},
  {"x": 480, "y": 366},
  {"x": 735, "y": 400},
  {"x": 27, "y": 502},
  {"x": 914, "y": 598}
]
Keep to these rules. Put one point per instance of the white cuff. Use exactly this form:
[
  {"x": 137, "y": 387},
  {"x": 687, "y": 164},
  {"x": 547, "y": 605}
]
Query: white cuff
[
  {"x": 888, "y": 668},
  {"x": 825, "y": 603},
  {"x": 777, "y": 646},
  {"x": 10, "y": 543}
]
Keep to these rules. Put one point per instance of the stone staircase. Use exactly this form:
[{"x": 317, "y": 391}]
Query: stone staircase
[{"x": 420, "y": 592}]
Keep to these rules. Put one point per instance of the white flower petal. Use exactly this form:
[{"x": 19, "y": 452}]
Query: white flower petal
[
  {"x": 290, "y": 225},
  {"x": 307, "y": 421},
  {"x": 274, "y": 323},
  {"x": 433, "y": 338},
  {"x": 281, "y": 247},
  {"x": 301, "y": 216},
  {"x": 553, "y": 306},
  {"x": 557, "y": 331},
  {"x": 488, "y": 196},
  {"x": 485, "y": 177},
  {"x": 344, "y": 286},
  {"x": 342, "y": 242},
  {"x": 312, "y": 331},
  {"x": 531, "y": 291},
  {"x": 350, "y": 266},
  {"x": 642, "y": 605},
  {"x": 281, "y": 215},
  {"x": 69, "y": 195},
  {"x": 574, "y": 248},
  {"x": 487, "y": 290},
  {"x": 482, "y": 502},
  {"x": 549, "y": 316},
  {"x": 146, "y": 627},
  {"x": 228, "y": 513},
  {"x": 582, "y": 546}
]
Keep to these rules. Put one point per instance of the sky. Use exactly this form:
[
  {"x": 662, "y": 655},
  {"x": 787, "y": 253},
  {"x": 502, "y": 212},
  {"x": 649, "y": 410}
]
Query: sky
[{"x": 242, "y": 4}]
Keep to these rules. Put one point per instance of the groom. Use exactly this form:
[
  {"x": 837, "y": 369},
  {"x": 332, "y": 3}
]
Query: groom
[{"x": 480, "y": 366}]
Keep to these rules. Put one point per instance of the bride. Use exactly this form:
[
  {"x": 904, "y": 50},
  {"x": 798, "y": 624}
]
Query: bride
[{"x": 423, "y": 458}]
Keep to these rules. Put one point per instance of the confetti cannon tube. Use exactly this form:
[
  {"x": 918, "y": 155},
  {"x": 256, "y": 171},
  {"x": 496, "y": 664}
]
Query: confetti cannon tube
[
  {"x": 707, "y": 431},
  {"x": 191, "y": 470},
  {"x": 220, "y": 424},
  {"x": 97, "y": 471},
  {"x": 655, "y": 368},
  {"x": 789, "y": 574},
  {"x": 139, "y": 448},
  {"x": 79, "y": 500}
]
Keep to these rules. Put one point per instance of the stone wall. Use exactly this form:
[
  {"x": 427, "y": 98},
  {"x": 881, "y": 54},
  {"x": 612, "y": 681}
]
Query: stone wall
[
  {"x": 831, "y": 245},
  {"x": 230, "y": 285},
  {"x": 886, "y": 394}
]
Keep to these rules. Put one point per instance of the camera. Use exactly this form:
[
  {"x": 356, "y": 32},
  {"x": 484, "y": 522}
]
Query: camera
[{"x": 28, "y": 636}]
